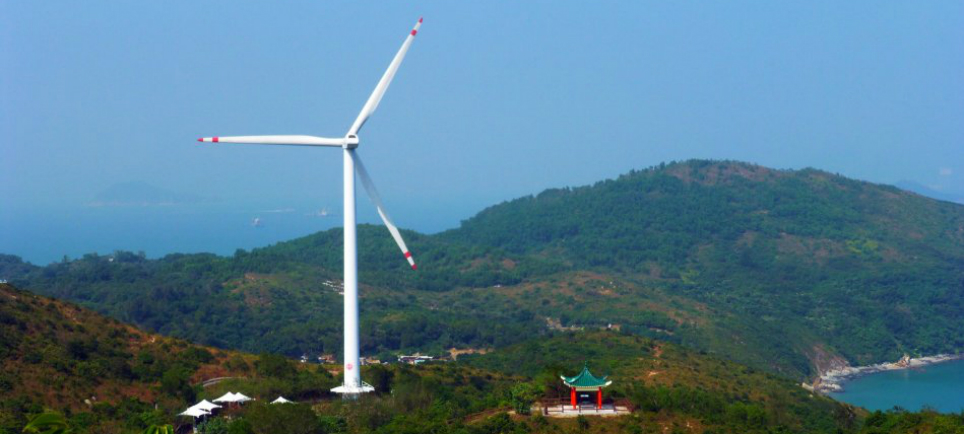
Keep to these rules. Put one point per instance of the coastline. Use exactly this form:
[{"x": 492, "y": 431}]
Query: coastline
[{"x": 832, "y": 380}]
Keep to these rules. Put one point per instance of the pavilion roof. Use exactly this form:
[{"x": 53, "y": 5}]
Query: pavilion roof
[{"x": 586, "y": 379}]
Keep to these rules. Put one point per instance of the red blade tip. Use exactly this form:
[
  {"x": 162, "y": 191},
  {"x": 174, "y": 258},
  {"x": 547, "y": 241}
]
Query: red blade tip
[
  {"x": 414, "y": 267},
  {"x": 201, "y": 139},
  {"x": 419, "y": 19}
]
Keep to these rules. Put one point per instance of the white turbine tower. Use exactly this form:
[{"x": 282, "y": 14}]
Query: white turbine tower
[{"x": 353, "y": 384}]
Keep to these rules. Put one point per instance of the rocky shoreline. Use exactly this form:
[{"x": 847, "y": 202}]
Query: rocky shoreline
[{"x": 832, "y": 380}]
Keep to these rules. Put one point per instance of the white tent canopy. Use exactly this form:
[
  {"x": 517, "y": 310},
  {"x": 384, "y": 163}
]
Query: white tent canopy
[
  {"x": 206, "y": 405},
  {"x": 195, "y": 412},
  {"x": 281, "y": 400},
  {"x": 233, "y": 397},
  {"x": 227, "y": 397}
]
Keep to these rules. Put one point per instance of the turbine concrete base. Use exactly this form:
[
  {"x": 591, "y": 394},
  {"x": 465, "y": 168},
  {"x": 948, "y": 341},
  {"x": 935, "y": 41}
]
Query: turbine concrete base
[{"x": 347, "y": 390}]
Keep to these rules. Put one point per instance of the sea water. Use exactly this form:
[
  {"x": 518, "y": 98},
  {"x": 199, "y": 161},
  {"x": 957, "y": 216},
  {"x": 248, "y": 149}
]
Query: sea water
[
  {"x": 45, "y": 238},
  {"x": 42, "y": 236},
  {"x": 939, "y": 386}
]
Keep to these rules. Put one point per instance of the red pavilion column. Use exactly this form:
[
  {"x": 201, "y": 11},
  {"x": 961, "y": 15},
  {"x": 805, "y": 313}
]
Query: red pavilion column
[
  {"x": 599, "y": 399},
  {"x": 572, "y": 397}
]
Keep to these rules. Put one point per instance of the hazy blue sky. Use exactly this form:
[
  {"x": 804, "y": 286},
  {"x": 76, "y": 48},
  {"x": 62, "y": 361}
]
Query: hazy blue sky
[{"x": 495, "y": 100}]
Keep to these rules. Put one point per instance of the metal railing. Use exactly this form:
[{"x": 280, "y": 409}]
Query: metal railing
[
  {"x": 213, "y": 381},
  {"x": 557, "y": 405}
]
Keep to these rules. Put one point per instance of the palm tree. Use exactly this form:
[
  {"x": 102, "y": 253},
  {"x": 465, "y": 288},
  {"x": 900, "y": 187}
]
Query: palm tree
[
  {"x": 48, "y": 423},
  {"x": 159, "y": 429},
  {"x": 54, "y": 423}
]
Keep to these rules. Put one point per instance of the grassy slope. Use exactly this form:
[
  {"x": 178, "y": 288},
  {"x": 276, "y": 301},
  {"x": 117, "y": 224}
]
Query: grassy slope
[{"x": 57, "y": 355}]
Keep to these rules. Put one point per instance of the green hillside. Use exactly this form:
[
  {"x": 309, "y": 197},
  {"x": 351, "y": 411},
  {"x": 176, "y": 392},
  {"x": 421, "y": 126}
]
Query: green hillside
[
  {"x": 787, "y": 271},
  {"x": 106, "y": 377},
  {"x": 665, "y": 379},
  {"x": 805, "y": 260},
  {"x": 105, "y": 374},
  {"x": 280, "y": 299}
]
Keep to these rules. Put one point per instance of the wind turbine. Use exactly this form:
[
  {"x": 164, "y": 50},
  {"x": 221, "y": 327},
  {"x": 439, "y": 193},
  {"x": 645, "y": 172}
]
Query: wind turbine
[{"x": 352, "y": 384}]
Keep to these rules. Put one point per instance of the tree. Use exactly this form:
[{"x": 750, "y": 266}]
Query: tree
[
  {"x": 283, "y": 419},
  {"x": 332, "y": 424},
  {"x": 273, "y": 365},
  {"x": 177, "y": 382},
  {"x": 582, "y": 422},
  {"x": 217, "y": 425},
  {"x": 240, "y": 426},
  {"x": 48, "y": 423},
  {"x": 522, "y": 396},
  {"x": 159, "y": 429},
  {"x": 380, "y": 378},
  {"x": 500, "y": 424}
]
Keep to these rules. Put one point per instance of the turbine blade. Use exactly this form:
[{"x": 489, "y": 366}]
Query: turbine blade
[
  {"x": 382, "y": 86},
  {"x": 377, "y": 200},
  {"x": 277, "y": 140}
]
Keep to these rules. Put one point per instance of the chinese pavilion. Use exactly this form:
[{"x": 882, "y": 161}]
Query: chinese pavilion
[{"x": 582, "y": 386}]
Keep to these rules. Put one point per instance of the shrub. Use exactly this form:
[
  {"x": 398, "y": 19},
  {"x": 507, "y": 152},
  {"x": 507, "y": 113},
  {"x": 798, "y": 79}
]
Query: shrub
[
  {"x": 273, "y": 365},
  {"x": 283, "y": 419}
]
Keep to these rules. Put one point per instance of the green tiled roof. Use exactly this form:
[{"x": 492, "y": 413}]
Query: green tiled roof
[{"x": 585, "y": 379}]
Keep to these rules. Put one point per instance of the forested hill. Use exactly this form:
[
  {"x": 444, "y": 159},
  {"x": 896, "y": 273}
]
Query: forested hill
[
  {"x": 784, "y": 270},
  {"x": 668, "y": 215},
  {"x": 828, "y": 264}
]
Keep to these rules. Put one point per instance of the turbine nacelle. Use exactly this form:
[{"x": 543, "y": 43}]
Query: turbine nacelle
[{"x": 351, "y": 141}]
